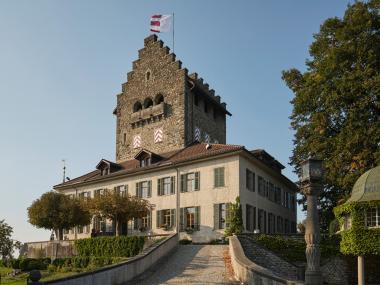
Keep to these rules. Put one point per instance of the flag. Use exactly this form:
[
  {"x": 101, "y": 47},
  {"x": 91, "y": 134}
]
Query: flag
[{"x": 160, "y": 23}]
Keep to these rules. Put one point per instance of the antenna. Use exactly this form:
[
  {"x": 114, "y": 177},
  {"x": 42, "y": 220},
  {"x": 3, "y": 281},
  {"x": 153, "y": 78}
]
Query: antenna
[{"x": 64, "y": 170}]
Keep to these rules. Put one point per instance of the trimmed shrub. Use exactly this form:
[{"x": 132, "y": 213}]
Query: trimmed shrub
[
  {"x": 185, "y": 241},
  {"x": 121, "y": 246},
  {"x": 80, "y": 261},
  {"x": 59, "y": 262},
  {"x": 51, "y": 268}
]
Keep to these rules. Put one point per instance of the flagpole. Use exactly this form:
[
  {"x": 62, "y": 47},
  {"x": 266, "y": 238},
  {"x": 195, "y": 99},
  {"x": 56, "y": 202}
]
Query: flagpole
[{"x": 173, "y": 32}]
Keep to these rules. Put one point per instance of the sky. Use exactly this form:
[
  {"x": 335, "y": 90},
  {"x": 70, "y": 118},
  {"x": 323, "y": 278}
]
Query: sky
[{"x": 63, "y": 62}]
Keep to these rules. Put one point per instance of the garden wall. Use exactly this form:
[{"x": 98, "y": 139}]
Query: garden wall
[
  {"x": 249, "y": 272},
  {"x": 51, "y": 249},
  {"x": 125, "y": 271}
]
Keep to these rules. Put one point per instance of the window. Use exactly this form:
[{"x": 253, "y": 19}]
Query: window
[
  {"x": 166, "y": 218},
  {"x": 165, "y": 186},
  {"x": 277, "y": 195},
  {"x": 262, "y": 221},
  {"x": 147, "y": 75},
  {"x": 293, "y": 203},
  {"x": 122, "y": 190},
  {"x": 271, "y": 191},
  {"x": 159, "y": 99},
  {"x": 250, "y": 218},
  {"x": 124, "y": 138},
  {"x": 144, "y": 189},
  {"x": 280, "y": 224},
  {"x": 146, "y": 222},
  {"x": 271, "y": 223},
  {"x": 286, "y": 226},
  {"x": 250, "y": 180},
  {"x": 190, "y": 218},
  {"x": 262, "y": 186},
  {"x": 145, "y": 161},
  {"x": 205, "y": 107},
  {"x": 219, "y": 177},
  {"x": 190, "y": 182},
  {"x": 221, "y": 215},
  {"x": 137, "y": 106},
  {"x": 372, "y": 217},
  {"x": 85, "y": 195},
  {"x": 148, "y": 102},
  {"x": 99, "y": 192},
  {"x": 105, "y": 171}
]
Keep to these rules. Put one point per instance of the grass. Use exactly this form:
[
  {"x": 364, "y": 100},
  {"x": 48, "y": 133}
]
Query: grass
[{"x": 20, "y": 279}]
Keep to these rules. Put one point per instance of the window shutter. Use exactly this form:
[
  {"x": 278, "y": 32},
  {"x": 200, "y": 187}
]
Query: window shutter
[
  {"x": 198, "y": 217},
  {"x": 183, "y": 183},
  {"x": 172, "y": 217},
  {"x": 159, "y": 189},
  {"x": 253, "y": 181},
  {"x": 216, "y": 216},
  {"x": 137, "y": 189},
  {"x": 150, "y": 188},
  {"x": 197, "y": 181},
  {"x": 216, "y": 177},
  {"x": 172, "y": 186},
  {"x": 158, "y": 214},
  {"x": 182, "y": 219},
  {"x": 221, "y": 177}
]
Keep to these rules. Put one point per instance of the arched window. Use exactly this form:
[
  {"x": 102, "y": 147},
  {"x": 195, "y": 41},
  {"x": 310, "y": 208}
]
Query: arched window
[
  {"x": 148, "y": 103},
  {"x": 137, "y": 106},
  {"x": 147, "y": 75},
  {"x": 159, "y": 99}
]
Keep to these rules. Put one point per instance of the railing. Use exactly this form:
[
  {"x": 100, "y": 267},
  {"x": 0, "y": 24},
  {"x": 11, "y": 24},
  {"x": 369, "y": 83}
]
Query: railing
[{"x": 147, "y": 113}]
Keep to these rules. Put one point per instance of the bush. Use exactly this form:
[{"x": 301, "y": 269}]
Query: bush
[
  {"x": 96, "y": 261},
  {"x": 51, "y": 268},
  {"x": 80, "y": 261},
  {"x": 185, "y": 241},
  {"x": 59, "y": 262},
  {"x": 121, "y": 246},
  {"x": 15, "y": 263}
]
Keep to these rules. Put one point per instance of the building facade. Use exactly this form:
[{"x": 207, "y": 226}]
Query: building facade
[{"x": 171, "y": 150}]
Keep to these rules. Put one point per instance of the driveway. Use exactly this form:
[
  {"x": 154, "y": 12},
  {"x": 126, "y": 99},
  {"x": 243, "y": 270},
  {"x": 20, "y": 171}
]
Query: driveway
[{"x": 189, "y": 264}]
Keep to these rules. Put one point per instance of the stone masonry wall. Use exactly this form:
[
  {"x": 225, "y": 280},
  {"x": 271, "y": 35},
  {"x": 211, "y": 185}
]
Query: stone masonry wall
[{"x": 166, "y": 77}]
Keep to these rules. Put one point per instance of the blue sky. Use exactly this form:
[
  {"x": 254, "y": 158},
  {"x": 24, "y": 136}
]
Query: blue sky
[{"x": 63, "y": 62}]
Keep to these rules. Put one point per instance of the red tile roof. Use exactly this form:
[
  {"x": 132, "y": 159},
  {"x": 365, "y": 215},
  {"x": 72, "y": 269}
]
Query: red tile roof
[{"x": 192, "y": 152}]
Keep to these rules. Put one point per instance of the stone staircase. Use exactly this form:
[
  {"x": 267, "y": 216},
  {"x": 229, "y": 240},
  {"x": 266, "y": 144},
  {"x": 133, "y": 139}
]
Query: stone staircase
[{"x": 269, "y": 260}]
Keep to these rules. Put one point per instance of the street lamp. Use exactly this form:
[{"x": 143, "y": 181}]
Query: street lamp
[{"x": 311, "y": 186}]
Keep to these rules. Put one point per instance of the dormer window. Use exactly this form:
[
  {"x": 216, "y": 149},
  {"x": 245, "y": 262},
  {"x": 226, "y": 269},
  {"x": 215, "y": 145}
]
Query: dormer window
[
  {"x": 105, "y": 171},
  {"x": 107, "y": 167},
  {"x": 147, "y": 158}
]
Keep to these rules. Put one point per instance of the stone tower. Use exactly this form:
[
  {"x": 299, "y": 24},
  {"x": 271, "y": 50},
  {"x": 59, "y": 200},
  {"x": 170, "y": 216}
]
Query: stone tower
[{"x": 162, "y": 108}]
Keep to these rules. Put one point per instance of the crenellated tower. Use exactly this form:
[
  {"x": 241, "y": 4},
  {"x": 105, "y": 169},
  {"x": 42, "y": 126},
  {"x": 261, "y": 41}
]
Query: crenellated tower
[{"x": 161, "y": 108}]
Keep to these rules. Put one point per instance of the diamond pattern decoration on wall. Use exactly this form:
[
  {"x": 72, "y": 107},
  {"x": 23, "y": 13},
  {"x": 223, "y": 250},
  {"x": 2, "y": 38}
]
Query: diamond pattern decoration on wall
[
  {"x": 158, "y": 135},
  {"x": 207, "y": 138},
  {"x": 197, "y": 134},
  {"x": 137, "y": 141}
]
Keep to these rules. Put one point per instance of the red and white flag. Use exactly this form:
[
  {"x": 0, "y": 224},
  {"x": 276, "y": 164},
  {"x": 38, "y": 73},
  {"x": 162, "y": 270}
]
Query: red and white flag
[{"x": 160, "y": 23}]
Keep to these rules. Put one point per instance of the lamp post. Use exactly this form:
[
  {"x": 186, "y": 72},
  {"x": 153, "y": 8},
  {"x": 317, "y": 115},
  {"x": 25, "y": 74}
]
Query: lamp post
[{"x": 311, "y": 186}]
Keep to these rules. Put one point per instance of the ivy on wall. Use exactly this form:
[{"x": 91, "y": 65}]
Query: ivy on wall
[{"x": 359, "y": 239}]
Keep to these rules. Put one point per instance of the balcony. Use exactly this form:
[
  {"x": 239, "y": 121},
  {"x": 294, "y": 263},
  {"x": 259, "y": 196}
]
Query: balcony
[{"x": 149, "y": 113}]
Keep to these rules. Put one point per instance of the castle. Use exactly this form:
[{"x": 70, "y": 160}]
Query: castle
[{"x": 171, "y": 150}]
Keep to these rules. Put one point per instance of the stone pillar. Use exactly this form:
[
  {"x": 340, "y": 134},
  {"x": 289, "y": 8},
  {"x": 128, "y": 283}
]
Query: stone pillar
[
  {"x": 313, "y": 275},
  {"x": 361, "y": 279}
]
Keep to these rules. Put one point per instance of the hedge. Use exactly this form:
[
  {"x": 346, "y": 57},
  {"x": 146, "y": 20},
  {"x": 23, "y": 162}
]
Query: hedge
[{"x": 121, "y": 246}]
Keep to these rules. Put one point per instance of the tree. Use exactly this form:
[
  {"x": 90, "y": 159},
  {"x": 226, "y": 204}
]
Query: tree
[
  {"x": 7, "y": 244},
  {"x": 336, "y": 105},
  {"x": 119, "y": 208},
  {"x": 58, "y": 212},
  {"x": 235, "y": 219}
]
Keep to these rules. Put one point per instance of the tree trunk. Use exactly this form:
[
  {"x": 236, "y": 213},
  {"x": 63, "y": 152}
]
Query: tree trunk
[{"x": 117, "y": 227}]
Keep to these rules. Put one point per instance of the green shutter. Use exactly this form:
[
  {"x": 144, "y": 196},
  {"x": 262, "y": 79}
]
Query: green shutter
[
  {"x": 197, "y": 181},
  {"x": 198, "y": 217},
  {"x": 221, "y": 177},
  {"x": 172, "y": 217},
  {"x": 137, "y": 189},
  {"x": 150, "y": 188},
  {"x": 216, "y": 216},
  {"x": 172, "y": 186},
  {"x": 159, "y": 189},
  {"x": 216, "y": 177},
  {"x": 158, "y": 218},
  {"x": 182, "y": 219},
  {"x": 183, "y": 183}
]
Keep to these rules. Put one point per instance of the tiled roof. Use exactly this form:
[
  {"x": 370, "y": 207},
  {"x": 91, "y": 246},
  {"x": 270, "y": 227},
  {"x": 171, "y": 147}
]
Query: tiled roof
[{"x": 192, "y": 152}]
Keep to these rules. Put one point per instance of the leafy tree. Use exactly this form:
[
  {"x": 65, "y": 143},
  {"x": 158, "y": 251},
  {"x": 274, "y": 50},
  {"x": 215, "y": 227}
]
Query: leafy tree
[
  {"x": 7, "y": 244},
  {"x": 336, "y": 106},
  {"x": 235, "y": 219},
  {"x": 58, "y": 212},
  {"x": 119, "y": 208}
]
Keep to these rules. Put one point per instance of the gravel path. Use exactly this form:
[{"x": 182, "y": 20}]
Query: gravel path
[{"x": 189, "y": 264}]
